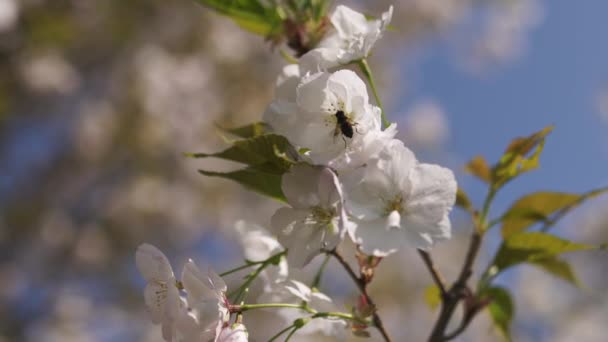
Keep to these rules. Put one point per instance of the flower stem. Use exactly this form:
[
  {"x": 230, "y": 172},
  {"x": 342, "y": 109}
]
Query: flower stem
[
  {"x": 291, "y": 334},
  {"x": 362, "y": 285},
  {"x": 277, "y": 335},
  {"x": 239, "y": 268},
  {"x": 247, "y": 307},
  {"x": 317, "y": 279},
  {"x": 239, "y": 293},
  {"x": 367, "y": 71}
]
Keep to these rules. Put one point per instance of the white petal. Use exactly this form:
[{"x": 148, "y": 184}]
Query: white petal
[
  {"x": 300, "y": 186},
  {"x": 417, "y": 234},
  {"x": 299, "y": 290},
  {"x": 303, "y": 244},
  {"x": 432, "y": 195},
  {"x": 155, "y": 296},
  {"x": 312, "y": 93},
  {"x": 287, "y": 83},
  {"x": 234, "y": 333},
  {"x": 152, "y": 263},
  {"x": 328, "y": 188},
  {"x": 346, "y": 85},
  {"x": 320, "y": 59},
  {"x": 200, "y": 286},
  {"x": 258, "y": 244},
  {"x": 187, "y": 327},
  {"x": 375, "y": 239},
  {"x": 348, "y": 22},
  {"x": 284, "y": 219}
]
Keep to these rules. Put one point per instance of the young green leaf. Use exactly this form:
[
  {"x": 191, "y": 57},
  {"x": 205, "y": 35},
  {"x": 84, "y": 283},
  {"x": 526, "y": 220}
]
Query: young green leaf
[
  {"x": 463, "y": 201},
  {"x": 515, "y": 160},
  {"x": 532, "y": 247},
  {"x": 270, "y": 152},
  {"x": 501, "y": 309},
  {"x": 252, "y": 15},
  {"x": 248, "y": 131},
  {"x": 268, "y": 184},
  {"x": 478, "y": 167},
  {"x": 559, "y": 268},
  {"x": 432, "y": 296},
  {"x": 544, "y": 206}
]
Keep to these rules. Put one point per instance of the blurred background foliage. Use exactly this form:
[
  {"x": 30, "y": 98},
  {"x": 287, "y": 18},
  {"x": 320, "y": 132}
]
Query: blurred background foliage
[{"x": 98, "y": 101}]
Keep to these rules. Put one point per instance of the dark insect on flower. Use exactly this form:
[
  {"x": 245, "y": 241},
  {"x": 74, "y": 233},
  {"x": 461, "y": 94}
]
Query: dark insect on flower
[{"x": 343, "y": 125}]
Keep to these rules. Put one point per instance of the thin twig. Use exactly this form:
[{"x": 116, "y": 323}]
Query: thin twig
[
  {"x": 362, "y": 285},
  {"x": 437, "y": 278},
  {"x": 456, "y": 293}
]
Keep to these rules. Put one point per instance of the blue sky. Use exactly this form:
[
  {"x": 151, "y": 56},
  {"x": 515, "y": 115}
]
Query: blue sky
[{"x": 555, "y": 81}]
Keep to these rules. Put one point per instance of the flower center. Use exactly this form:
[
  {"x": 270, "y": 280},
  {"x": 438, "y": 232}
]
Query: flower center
[
  {"x": 321, "y": 216},
  {"x": 396, "y": 204}
]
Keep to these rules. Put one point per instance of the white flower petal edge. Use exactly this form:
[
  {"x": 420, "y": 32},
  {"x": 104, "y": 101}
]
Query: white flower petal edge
[
  {"x": 316, "y": 219},
  {"x": 259, "y": 245},
  {"x": 161, "y": 293},
  {"x": 207, "y": 297},
  {"x": 234, "y": 333},
  {"x": 397, "y": 202},
  {"x": 352, "y": 39}
]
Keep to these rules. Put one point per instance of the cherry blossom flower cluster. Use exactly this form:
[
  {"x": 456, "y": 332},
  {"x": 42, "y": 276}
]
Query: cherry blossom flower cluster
[
  {"x": 353, "y": 180},
  {"x": 362, "y": 181}
]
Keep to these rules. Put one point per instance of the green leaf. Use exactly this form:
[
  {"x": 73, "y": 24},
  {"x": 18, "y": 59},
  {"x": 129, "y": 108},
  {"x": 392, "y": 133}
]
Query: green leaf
[
  {"x": 479, "y": 168},
  {"x": 248, "y": 131},
  {"x": 270, "y": 153},
  {"x": 268, "y": 184},
  {"x": 515, "y": 160},
  {"x": 543, "y": 206},
  {"x": 559, "y": 268},
  {"x": 463, "y": 201},
  {"x": 252, "y": 15},
  {"x": 432, "y": 296},
  {"x": 532, "y": 247},
  {"x": 501, "y": 309}
]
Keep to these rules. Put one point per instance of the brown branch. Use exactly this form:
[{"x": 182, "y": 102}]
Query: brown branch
[
  {"x": 362, "y": 286},
  {"x": 437, "y": 278},
  {"x": 458, "y": 291}
]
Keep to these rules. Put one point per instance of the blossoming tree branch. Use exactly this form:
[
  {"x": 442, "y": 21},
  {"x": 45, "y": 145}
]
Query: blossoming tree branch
[{"x": 328, "y": 152}]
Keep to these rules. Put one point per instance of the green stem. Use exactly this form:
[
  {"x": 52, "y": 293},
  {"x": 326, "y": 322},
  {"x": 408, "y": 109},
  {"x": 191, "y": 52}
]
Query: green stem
[
  {"x": 281, "y": 333},
  {"x": 317, "y": 279},
  {"x": 486, "y": 208},
  {"x": 238, "y": 293},
  {"x": 367, "y": 71},
  {"x": 246, "y": 307},
  {"x": 291, "y": 334},
  {"x": 240, "y": 268}
]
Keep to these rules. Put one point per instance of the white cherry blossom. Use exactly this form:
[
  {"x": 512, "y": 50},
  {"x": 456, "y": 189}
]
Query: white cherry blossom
[
  {"x": 259, "y": 245},
  {"x": 316, "y": 219},
  {"x": 207, "y": 300},
  {"x": 161, "y": 293},
  {"x": 328, "y": 114},
  {"x": 282, "y": 112},
  {"x": 396, "y": 202},
  {"x": 351, "y": 39},
  {"x": 295, "y": 292}
]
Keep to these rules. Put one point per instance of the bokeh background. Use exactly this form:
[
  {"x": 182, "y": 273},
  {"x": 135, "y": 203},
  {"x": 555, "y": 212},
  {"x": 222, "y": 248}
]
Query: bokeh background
[{"x": 98, "y": 100}]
